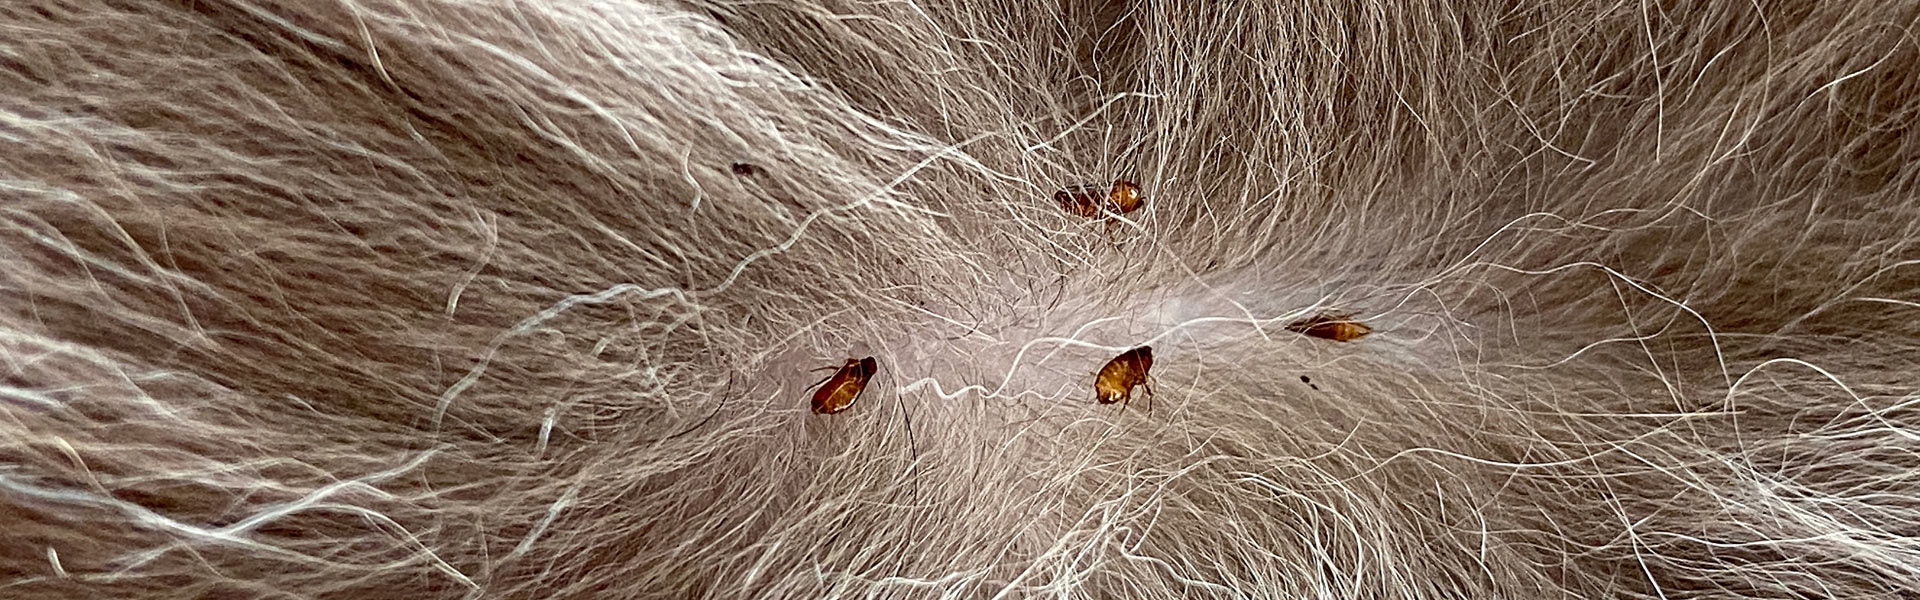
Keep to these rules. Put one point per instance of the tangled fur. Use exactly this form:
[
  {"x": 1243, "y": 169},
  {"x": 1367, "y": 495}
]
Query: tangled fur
[{"x": 508, "y": 299}]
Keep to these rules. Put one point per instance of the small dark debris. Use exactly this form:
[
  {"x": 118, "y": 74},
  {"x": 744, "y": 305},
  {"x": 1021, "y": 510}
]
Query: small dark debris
[
  {"x": 745, "y": 169},
  {"x": 1304, "y": 379}
]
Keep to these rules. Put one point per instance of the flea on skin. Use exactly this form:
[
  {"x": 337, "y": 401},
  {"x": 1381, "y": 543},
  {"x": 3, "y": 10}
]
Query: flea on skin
[
  {"x": 1084, "y": 200},
  {"x": 1339, "y": 328},
  {"x": 1116, "y": 380},
  {"x": 844, "y": 386}
]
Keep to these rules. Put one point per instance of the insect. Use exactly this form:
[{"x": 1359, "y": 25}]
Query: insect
[
  {"x": 1339, "y": 328},
  {"x": 1084, "y": 200},
  {"x": 1116, "y": 380},
  {"x": 745, "y": 169},
  {"x": 843, "y": 386}
]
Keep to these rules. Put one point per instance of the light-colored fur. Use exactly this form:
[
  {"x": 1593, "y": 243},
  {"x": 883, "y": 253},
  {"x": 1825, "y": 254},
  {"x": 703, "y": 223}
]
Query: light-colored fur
[{"x": 435, "y": 299}]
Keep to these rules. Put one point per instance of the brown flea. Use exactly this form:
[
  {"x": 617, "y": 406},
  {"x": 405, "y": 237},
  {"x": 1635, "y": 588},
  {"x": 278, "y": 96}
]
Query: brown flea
[
  {"x": 1125, "y": 197},
  {"x": 1338, "y": 328},
  {"x": 1084, "y": 200},
  {"x": 844, "y": 386},
  {"x": 1116, "y": 380},
  {"x": 745, "y": 169},
  {"x": 1080, "y": 200}
]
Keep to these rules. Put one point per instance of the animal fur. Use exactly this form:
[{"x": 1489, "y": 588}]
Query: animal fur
[{"x": 506, "y": 299}]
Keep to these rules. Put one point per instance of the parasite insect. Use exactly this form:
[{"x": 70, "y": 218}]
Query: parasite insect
[
  {"x": 1116, "y": 380},
  {"x": 843, "y": 386},
  {"x": 745, "y": 169},
  {"x": 1084, "y": 200},
  {"x": 1339, "y": 328}
]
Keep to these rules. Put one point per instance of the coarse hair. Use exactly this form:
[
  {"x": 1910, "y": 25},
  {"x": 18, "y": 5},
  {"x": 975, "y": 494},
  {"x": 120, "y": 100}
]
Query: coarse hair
[{"x": 507, "y": 299}]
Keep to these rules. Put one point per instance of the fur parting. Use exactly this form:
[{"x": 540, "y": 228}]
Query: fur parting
[{"x": 503, "y": 299}]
